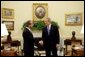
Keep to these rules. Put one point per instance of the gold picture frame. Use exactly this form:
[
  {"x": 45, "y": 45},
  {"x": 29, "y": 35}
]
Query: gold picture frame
[
  {"x": 40, "y": 11},
  {"x": 74, "y": 19},
  {"x": 7, "y": 13},
  {"x": 9, "y": 25}
]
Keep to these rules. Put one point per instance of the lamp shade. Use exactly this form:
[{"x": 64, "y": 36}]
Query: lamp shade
[
  {"x": 82, "y": 30},
  {"x": 3, "y": 30}
]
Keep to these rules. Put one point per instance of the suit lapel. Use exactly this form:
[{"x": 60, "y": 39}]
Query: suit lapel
[
  {"x": 46, "y": 30},
  {"x": 29, "y": 31}
]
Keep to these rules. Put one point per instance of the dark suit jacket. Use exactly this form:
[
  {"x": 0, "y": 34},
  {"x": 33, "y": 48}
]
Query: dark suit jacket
[
  {"x": 52, "y": 38},
  {"x": 28, "y": 41}
]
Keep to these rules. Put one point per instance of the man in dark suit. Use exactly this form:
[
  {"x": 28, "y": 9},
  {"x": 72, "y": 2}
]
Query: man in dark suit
[
  {"x": 50, "y": 35},
  {"x": 28, "y": 39}
]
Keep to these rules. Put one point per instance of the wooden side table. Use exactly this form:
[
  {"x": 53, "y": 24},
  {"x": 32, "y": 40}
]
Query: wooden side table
[
  {"x": 14, "y": 43},
  {"x": 8, "y": 53},
  {"x": 77, "y": 51},
  {"x": 71, "y": 42}
]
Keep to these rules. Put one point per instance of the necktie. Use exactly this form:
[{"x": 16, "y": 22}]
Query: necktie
[{"x": 48, "y": 30}]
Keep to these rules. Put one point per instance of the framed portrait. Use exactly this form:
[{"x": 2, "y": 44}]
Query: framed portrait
[
  {"x": 73, "y": 19},
  {"x": 40, "y": 11},
  {"x": 7, "y": 13},
  {"x": 9, "y": 25}
]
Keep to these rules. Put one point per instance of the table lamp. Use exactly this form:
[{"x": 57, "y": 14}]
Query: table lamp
[{"x": 4, "y": 32}]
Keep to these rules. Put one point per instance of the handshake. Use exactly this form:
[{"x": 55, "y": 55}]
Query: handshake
[{"x": 41, "y": 43}]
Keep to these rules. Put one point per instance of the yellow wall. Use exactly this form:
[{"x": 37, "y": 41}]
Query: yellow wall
[{"x": 56, "y": 11}]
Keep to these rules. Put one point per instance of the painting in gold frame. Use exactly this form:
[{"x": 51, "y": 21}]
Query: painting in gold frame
[
  {"x": 9, "y": 25},
  {"x": 7, "y": 13},
  {"x": 40, "y": 11},
  {"x": 73, "y": 19}
]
